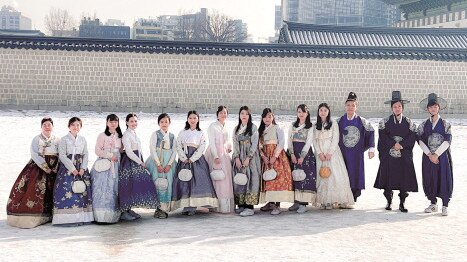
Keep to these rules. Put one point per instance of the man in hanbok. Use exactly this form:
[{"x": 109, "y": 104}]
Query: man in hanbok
[
  {"x": 434, "y": 137},
  {"x": 397, "y": 136},
  {"x": 356, "y": 136}
]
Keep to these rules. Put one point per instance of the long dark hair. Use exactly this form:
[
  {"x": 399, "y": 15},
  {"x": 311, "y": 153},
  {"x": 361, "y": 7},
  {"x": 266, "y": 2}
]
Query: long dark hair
[
  {"x": 262, "y": 126},
  {"x": 75, "y": 119},
  {"x": 220, "y": 108},
  {"x": 308, "y": 123},
  {"x": 127, "y": 118},
  {"x": 319, "y": 122},
  {"x": 113, "y": 117},
  {"x": 187, "y": 125},
  {"x": 249, "y": 125}
]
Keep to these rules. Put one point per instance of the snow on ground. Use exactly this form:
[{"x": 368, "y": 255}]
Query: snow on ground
[{"x": 366, "y": 233}]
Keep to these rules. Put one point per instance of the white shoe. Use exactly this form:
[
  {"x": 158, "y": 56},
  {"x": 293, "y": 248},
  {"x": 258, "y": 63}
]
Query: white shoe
[
  {"x": 431, "y": 208},
  {"x": 247, "y": 212},
  {"x": 444, "y": 211},
  {"x": 127, "y": 217},
  {"x": 294, "y": 207},
  {"x": 346, "y": 206},
  {"x": 302, "y": 209},
  {"x": 276, "y": 210}
]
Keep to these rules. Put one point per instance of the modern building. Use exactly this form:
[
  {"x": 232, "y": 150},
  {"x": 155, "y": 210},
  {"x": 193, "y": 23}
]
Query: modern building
[
  {"x": 241, "y": 29},
  {"x": 161, "y": 28},
  {"x": 370, "y": 13},
  {"x": 431, "y": 13},
  {"x": 11, "y": 32},
  {"x": 66, "y": 33},
  {"x": 95, "y": 29},
  {"x": 190, "y": 26},
  {"x": 11, "y": 19}
]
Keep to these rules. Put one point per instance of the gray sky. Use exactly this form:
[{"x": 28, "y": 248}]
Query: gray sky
[{"x": 258, "y": 14}]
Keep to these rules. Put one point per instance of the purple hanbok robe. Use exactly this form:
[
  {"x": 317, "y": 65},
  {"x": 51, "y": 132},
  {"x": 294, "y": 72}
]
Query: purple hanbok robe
[
  {"x": 437, "y": 178},
  {"x": 356, "y": 136},
  {"x": 396, "y": 169}
]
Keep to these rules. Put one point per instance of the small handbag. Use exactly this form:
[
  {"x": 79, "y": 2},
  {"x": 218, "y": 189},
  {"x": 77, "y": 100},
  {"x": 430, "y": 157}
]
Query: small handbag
[
  {"x": 217, "y": 174},
  {"x": 78, "y": 186},
  {"x": 324, "y": 171},
  {"x": 102, "y": 164},
  {"x": 240, "y": 178},
  {"x": 298, "y": 174},
  {"x": 162, "y": 183},
  {"x": 269, "y": 174},
  {"x": 185, "y": 174}
]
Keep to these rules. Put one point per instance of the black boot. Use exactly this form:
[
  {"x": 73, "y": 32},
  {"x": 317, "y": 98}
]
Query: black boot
[
  {"x": 403, "y": 196},
  {"x": 388, "y": 194}
]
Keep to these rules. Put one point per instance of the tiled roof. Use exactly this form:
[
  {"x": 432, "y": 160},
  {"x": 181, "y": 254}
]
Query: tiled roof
[
  {"x": 331, "y": 48},
  {"x": 345, "y": 36}
]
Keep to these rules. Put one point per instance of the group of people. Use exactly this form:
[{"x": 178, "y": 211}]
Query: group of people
[{"x": 323, "y": 166}]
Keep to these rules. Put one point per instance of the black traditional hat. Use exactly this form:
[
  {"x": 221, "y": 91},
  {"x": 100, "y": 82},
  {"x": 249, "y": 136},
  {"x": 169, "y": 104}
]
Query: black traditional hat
[
  {"x": 433, "y": 99},
  {"x": 352, "y": 97},
  {"x": 397, "y": 97}
]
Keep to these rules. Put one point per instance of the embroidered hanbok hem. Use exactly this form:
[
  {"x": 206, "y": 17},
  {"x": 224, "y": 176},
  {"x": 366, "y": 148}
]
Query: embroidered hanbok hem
[
  {"x": 30, "y": 202},
  {"x": 135, "y": 186},
  {"x": 69, "y": 207},
  {"x": 105, "y": 195},
  {"x": 199, "y": 191}
]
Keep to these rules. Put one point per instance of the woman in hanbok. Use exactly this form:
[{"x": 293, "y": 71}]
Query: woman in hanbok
[
  {"x": 192, "y": 185},
  {"x": 435, "y": 138},
  {"x": 71, "y": 207},
  {"x": 246, "y": 161},
  {"x": 104, "y": 174},
  {"x": 30, "y": 203},
  {"x": 160, "y": 164},
  {"x": 302, "y": 157},
  {"x": 333, "y": 191},
  {"x": 271, "y": 145},
  {"x": 356, "y": 136},
  {"x": 135, "y": 185},
  {"x": 397, "y": 136},
  {"x": 218, "y": 158}
]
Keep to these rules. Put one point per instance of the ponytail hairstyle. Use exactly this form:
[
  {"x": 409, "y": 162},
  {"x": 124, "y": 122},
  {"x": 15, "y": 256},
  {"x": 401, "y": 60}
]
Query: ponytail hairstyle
[
  {"x": 249, "y": 125},
  {"x": 187, "y": 125},
  {"x": 262, "y": 126},
  {"x": 113, "y": 117}
]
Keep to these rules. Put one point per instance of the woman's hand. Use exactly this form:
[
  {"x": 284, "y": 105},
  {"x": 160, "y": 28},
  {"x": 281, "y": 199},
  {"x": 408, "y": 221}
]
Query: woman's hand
[
  {"x": 293, "y": 158},
  {"x": 272, "y": 160},
  {"x": 238, "y": 163},
  {"x": 81, "y": 172},
  {"x": 246, "y": 162},
  {"x": 167, "y": 168},
  {"x": 300, "y": 160},
  {"x": 322, "y": 157},
  {"x": 160, "y": 169}
]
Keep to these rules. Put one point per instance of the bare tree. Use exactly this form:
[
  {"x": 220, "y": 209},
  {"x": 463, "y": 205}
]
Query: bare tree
[
  {"x": 57, "y": 21},
  {"x": 215, "y": 27},
  {"x": 221, "y": 28}
]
